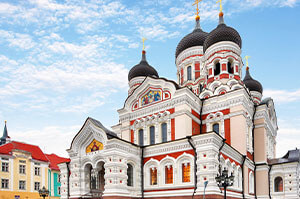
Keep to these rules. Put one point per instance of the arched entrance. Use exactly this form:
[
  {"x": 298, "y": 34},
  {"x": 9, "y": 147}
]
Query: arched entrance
[{"x": 94, "y": 180}]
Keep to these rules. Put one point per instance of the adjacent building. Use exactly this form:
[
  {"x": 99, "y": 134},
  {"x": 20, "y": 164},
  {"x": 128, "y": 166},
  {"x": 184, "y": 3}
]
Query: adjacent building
[{"x": 25, "y": 169}]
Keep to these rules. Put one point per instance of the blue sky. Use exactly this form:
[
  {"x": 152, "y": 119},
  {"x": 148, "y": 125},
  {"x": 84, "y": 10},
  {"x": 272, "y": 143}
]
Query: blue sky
[{"x": 62, "y": 61}]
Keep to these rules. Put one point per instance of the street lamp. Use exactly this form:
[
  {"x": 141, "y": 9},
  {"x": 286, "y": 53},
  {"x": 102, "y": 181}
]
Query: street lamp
[
  {"x": 44, "y": 192},
  {"x": 224, "y": 180}
]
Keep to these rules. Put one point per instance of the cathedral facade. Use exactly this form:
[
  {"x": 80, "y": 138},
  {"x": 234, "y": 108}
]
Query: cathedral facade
[{"x": 174, "y": 138}]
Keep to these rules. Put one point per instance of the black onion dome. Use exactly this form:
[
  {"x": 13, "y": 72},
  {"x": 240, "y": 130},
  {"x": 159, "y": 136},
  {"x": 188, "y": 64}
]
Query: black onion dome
[
  {"x": 142, "y": 69},
  {"x": 252, "y": 84},
  {"x": 222, "y": 33},
  {"x": 195, "y": 38}
]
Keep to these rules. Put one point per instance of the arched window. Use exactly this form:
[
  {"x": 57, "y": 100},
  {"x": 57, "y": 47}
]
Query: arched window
[
  {"x": 217, "y": 69},
  {"x": 153, "y": 176},
  {"x": 189, "y": 73},
  {"x": 230, "y": 67},
  {"x": 186, "y": 172},
  {"x": 152, "y": 135},
  {"x": 169, "y": 174},
  {"x": 216, "y": 128},
  {"x": 278, "y": 184},
  {"x": 130, "y": 175},
  {"x": 164, "y": 137},
  {"x": 141, "y": 137}
]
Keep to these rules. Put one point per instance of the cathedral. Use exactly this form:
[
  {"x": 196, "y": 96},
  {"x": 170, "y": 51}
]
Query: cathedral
[{"x": 175, "y": 139}]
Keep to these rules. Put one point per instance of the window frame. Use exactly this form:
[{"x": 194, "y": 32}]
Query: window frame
[
  {"x": 189, "y": 73},
  {"x": 22, "y": 169},
  {"x": 164, "y": 133},
  {"x": 166, "y": 168},
  {"x": 4, "y": 183},
  {"x": 213, "y": 127},
  {"x": 37, "y": 171},
  {"x": 275, "y": 185},
  {"x": 152, "y": 135},
  {"x": 4, "y": 168},
  {"x": 35, "y": 186},
  {"x": 22, "y": 183},
  {"x": 130, "y": 183},
  {"x": 141, "y": 138},
  {"x": 151, "y": 170}
]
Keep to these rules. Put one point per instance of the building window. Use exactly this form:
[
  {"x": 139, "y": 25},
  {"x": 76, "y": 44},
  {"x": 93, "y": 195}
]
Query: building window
[
  {"x": 217, "y": 69},
  {"x": 189, "y": 73},
  {"x": 22, "y": 185},
  {"x": 169, "y": 174},
  {"x": 36, "y": 186},
  {"x": 153, "y": 176},
  {"x": 58, "y": 178},
  {"x": 141, "y": 137},
  {"x": 186, "y": 172},
  {"x": 278, "y": 182},
  {"x": 4, "y": 166},
  {"x": 58, "y": 190},
  {"x": 22, "y": 169},
  {"x": 152, "y": 135},
  {"x": 216, "y": 128},
  {"x": 4, "y": 183},
  {"x": 164, "y": 137},
  {"x": 130, "y": 175},
  {"x": 230, "y": 67},
  {"x": 37, "y": 171}
]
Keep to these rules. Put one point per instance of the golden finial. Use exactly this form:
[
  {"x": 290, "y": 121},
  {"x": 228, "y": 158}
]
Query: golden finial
[
  {"x": 247, "y": 63},
  {"x": 5, "y": 121},
  {"x": 197, "y": 13},
  {"x": 221, "y": 7},
  {"x": 144, "y": 39}
]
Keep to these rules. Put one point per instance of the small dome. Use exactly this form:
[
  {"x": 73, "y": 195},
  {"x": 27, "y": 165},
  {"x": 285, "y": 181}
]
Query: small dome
[
  {"x": 142, "y": 69},
  {"x": 222, "y": 33},
  {"x": 252, "y": 84},
  {"x": 195, "y": 38}
]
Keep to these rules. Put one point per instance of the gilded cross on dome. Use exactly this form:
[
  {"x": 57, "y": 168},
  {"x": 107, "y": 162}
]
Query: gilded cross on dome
[
  {"x": 144, "y": 39},
  {"x": 246, "y": 58},
  {"x": 197, "y": 2},
  {"x": 221, "y": 7}
]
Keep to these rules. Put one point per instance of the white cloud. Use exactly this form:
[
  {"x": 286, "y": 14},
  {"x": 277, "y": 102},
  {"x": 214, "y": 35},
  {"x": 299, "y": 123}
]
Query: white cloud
[
  {"x": 283, "y": 96},
  {"x": 23, "y": 41}
]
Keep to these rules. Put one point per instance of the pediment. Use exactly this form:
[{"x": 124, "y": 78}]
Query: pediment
[
  {"x": 92, "y": 137},
  {"x": 151, "y": 91}
]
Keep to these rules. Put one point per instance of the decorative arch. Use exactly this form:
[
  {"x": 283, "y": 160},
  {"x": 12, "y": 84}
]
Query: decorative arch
[
  {"x": 184, "y": 165},
  {"x": 167, "y": 166},
  {"x": 151, "y": 171},
  {"x": 278, "y": 184}
]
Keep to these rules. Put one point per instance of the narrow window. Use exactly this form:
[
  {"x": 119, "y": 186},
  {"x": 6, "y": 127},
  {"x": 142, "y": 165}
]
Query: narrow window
[
  {"x": 152, "y": 135},
  {"x": 169, "y": 174},
  {"x": 36, "y": 186},
  {"x": 141, "y": 137},
  {"x": 189, "y": 73},
  {"x": 4, "y": 183},
  {"x": 37, "y": 171},
  {"x": 278, "y": 184},
  {"x": 58, "y": 179},
  {"x": 58, "y": 190},
  {"x": 130, "y": 175},
  {"x": 153, "y": 176},
  {"x": 217, "y": 69},
  {"x": 186, "y": 172},
  {"x": 22, "y": 185},
  {"x": 4, "y": 166},
  {"x": 230, "y": 67},
  {"x": 164, "y": 137},
  {"x": 216, "y": 128},
  {"x": 22, "y": 169}
]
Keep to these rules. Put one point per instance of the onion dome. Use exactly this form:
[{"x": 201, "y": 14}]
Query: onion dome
[
  {"x": 252, "y": 84},
  {"x": 222, "y": 33},
  {"x": 195, "y": 38},
  {"x": 142, "y": 69}
]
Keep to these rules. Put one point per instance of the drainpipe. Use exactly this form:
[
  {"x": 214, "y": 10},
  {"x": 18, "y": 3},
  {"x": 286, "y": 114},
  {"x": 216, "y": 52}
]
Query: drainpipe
[
  {"x": 220, "y": 154},
  {"x": 142, "y": 171},
  {"x": 68, "y": 179},
  {"x": 243, "y": 186},
  {"x": 269, "y": 175},
  {"x": 253, "y": 151},
  {"x": 195, "y": 163}
]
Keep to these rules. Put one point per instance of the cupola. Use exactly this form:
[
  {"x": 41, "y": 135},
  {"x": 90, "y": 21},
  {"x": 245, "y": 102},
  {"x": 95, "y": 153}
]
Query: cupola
[{"x": 254, "y": 87}]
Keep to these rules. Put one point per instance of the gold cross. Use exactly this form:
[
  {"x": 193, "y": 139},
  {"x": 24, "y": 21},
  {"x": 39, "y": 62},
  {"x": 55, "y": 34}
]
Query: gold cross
[
  {"x": 247, "y": 63},
  {"x": 221, "y": 7},
  {"x": 144, "y": 39},
  {"x": 197, "y": 2}
]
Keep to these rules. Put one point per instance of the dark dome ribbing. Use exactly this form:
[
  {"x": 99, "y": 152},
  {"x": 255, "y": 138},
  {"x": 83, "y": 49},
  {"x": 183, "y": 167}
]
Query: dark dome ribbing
[
  {"x": 252, "y": 84},
  {"x": 222, "y": 33},
  {"x": 142, "y": 69},
  {"x": 195, "y": 38}
]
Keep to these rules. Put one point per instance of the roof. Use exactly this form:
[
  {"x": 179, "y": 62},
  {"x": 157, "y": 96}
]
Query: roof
[
  {"x": 36, "y": 152},
  {"x": 55, "y": 160},
  {"x": 143, "y": 69},
  {"x": 252, "y": 84},
  {"x": 109, "y": 133},
  {"x": 290, "y": 156},
  {"x": 222, "y": 33},
  {"x": 195, "y": 38}
]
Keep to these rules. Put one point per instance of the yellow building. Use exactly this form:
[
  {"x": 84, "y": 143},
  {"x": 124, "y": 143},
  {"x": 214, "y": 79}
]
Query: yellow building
[{"x": 25, "y": 169}]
